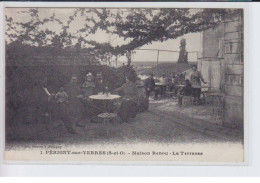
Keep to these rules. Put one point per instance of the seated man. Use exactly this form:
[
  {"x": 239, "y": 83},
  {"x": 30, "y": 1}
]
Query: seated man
[
  {"x": 61, "y": 96},
  {"x": 76, "y": 106},
  {"x": 186, "y": 91},
  {"x": 164, "y": 81},
  {"x": 149, "y": 85},
  {"x": 58, "y": 110}
]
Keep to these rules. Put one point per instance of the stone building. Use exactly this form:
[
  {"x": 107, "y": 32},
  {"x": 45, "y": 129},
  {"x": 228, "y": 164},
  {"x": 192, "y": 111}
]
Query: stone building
[{"x": 222, "y": 65}]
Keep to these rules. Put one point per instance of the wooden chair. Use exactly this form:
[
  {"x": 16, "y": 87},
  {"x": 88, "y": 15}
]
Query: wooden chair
[
  {"x": 217, "y": 104},
  {"x": 111, "y": 115},
  {"x": 186, "y": 101},
  {"x": 169, "y": 94}
]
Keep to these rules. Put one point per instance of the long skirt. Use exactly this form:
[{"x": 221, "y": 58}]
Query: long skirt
[
  {"x": 128, "y": 109},
  {"x": 196, "y": 92}
]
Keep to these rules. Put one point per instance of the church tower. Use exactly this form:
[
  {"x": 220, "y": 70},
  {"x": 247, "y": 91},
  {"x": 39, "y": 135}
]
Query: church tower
[{"x": 183, "y": 56}]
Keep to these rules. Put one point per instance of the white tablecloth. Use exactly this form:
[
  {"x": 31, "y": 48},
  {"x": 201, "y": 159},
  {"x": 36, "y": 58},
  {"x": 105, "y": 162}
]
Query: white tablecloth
[
  {"x": 104, "y": 97},
  {"x": 160, "y": 84}
]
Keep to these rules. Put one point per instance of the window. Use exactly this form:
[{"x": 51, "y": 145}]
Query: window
[{"x": 231, "y": 47}]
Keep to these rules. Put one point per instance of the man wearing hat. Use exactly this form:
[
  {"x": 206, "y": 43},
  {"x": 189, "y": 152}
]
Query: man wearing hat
[{"x": 149, "y": 85}]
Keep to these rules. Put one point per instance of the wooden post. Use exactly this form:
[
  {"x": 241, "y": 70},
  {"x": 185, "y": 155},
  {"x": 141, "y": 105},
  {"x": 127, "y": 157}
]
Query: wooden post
[
  {"x": 158, "y": 52},
  {"x": 129, "y": 57},
  {"x": 116, "y": 61}
]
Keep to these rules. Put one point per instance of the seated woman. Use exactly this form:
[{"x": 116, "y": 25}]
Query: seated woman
[
  {"x": 128, "y": 108},
  {"x": 88, "y": 86},
  {"x": 186, "y": 91},
  {"x": 90, "y": 109},
  {"x": 76, "y": 106}
]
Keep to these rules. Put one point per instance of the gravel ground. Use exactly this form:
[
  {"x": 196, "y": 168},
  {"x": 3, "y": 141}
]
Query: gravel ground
[{"x": 161, "y": 123}]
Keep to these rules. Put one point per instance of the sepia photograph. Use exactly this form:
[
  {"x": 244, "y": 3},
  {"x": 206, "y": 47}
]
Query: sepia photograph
[{"x": 92, "y": 84}]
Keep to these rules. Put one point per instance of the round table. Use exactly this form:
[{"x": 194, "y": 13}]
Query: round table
[
  {"x": 105, "y": 115},
  {"x": 196, "y": 86},
  {"x": 179, "y": 85},
  {"x": 139, "y": 86},
  {"x": 104, "y": 97},
  {"x": 193, "y": 86},
  {"x": 162, "y": 87},
  {"x": 160, "y": 84}
]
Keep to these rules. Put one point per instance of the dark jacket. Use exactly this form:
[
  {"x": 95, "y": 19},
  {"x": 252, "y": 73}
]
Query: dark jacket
[
  {"x": 187, "y": 90},
  {"x": 149, "y": 83},
  {"x": 73, "y": 90}
]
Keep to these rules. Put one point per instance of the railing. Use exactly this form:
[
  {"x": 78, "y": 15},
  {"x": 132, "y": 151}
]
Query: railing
[
  {"x": 192, "y": 55},
  {"x": 161, "y": 56}
]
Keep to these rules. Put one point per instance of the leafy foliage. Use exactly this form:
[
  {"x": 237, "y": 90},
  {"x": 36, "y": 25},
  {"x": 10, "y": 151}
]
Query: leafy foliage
[{"x": 137, "y": 26}]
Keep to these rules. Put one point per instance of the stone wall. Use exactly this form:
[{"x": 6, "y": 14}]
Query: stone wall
[
  {"x": 211, "y": 62},
  {"x": 234, "y": 72},
  {"x": 212, "y": 42},
  {"x": 222, "y": 66}
]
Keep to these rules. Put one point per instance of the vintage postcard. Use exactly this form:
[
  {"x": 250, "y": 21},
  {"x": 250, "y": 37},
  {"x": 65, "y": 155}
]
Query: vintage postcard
[{"x": 129, "y": 84}]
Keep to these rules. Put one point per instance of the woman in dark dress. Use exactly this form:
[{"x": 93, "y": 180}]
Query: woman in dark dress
[
  {"x": 195, "y": 79},
  {"x": 129, "y": 91}
]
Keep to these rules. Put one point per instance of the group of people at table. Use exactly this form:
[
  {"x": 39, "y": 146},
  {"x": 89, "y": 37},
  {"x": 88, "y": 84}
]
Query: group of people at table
[
  {"x": 80, "y": 101},
  {"x": 74, "y": 100},
  {"x": 190, "y": 87}
]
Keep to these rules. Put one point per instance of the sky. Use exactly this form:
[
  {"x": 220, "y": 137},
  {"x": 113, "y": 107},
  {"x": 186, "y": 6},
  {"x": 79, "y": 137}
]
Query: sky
[{"x": 192, "y": 39}]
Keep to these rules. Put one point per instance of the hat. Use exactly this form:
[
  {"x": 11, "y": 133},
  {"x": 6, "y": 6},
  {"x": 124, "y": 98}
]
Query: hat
[
  {"x": 89, "y": 74},
  {"x": 194, "y": 66}
]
